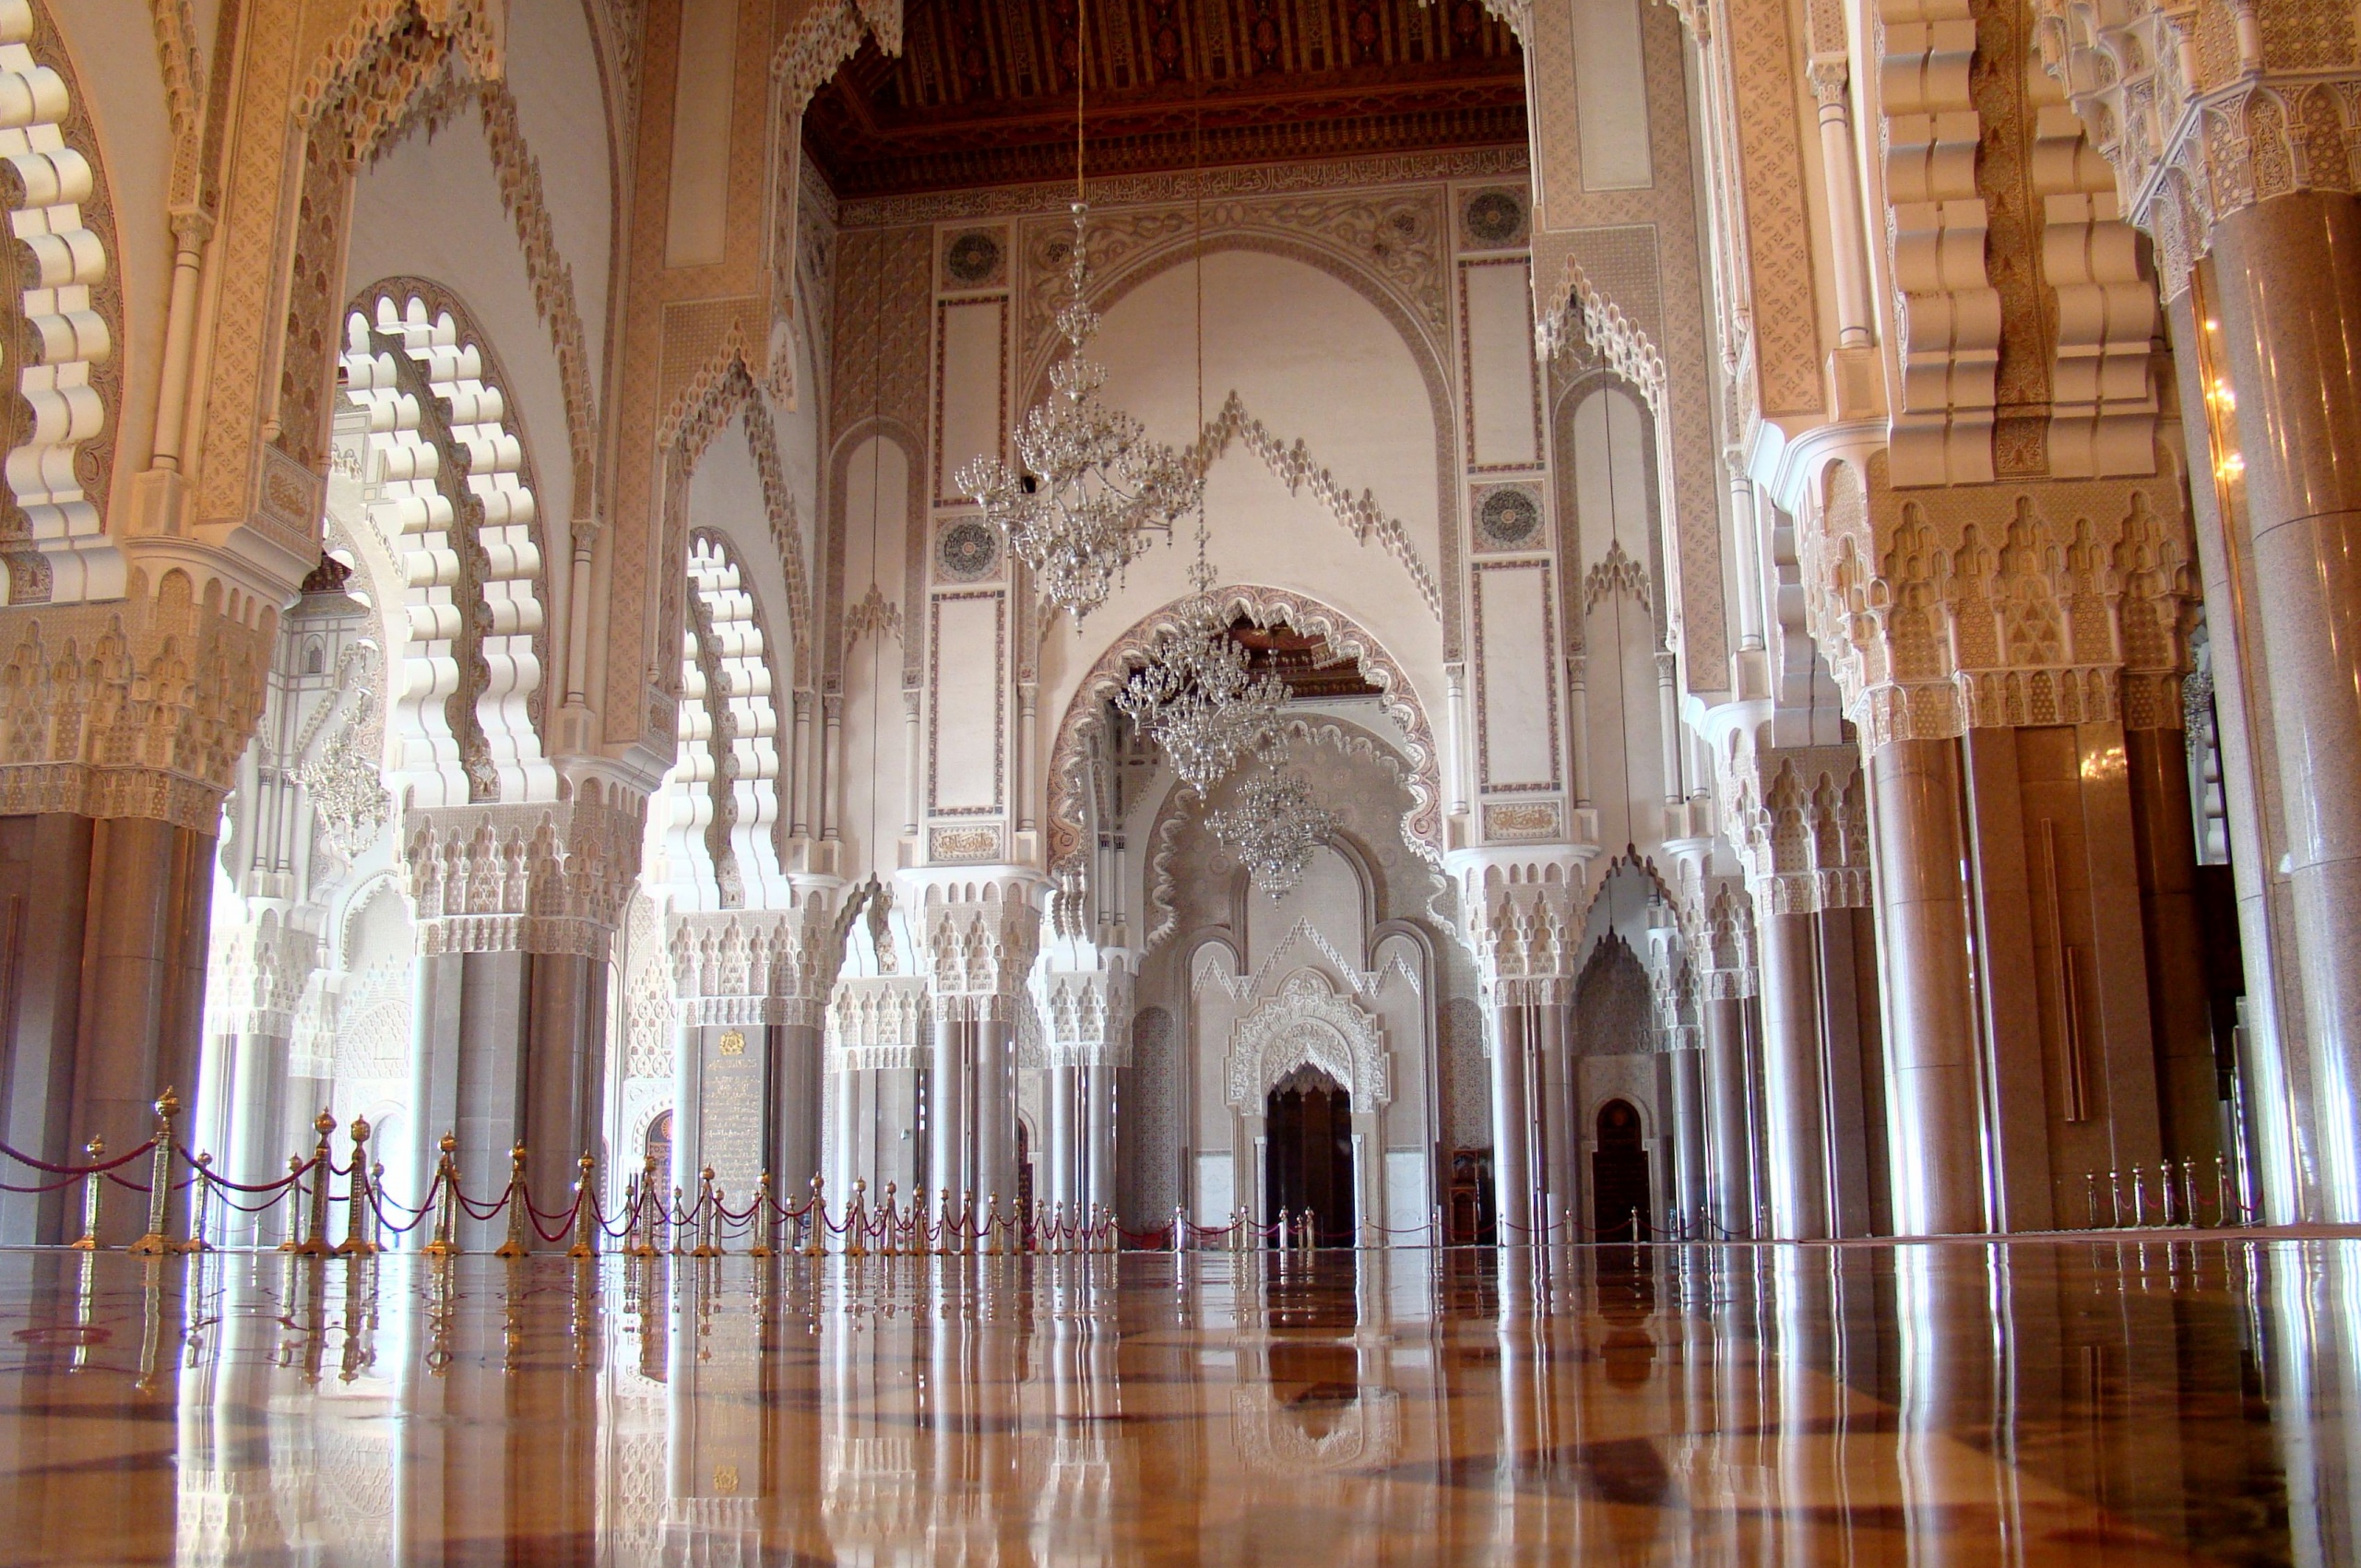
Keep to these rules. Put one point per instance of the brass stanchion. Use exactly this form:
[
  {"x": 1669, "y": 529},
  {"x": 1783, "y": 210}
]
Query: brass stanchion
[
  {"x": 889, "y": 1224},
  {"x": 516, "y": 1246},
  {"x": 445, "y": 1198},
  {"x": 815, "y": 1220},
  {"x": 295, "y": 1209},
  {"x": 200, "y": 1204},
  {"x": 857, "y": 1220},
  {"x": 160, "y": 1178},
  {"x": 357, "y": 1206},
  {"x": 676, "y": 1220},
  {"x": 641, "y": 1236},
  {"x": 706, "y": 1202},
  {"x": 585, "y": 1212},
  {"x": 92, "y": 1185},
  {"x": 316, "y": 1238},
  {"x": 762, "y": 1242}
]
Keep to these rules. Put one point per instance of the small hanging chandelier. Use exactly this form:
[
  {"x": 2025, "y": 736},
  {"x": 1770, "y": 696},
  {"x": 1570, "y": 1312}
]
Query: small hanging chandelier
[
  {"x": 1093, "y": 488},
  {"x": 1197, "y": 697},
  {"x": 1273, "y": 827}
]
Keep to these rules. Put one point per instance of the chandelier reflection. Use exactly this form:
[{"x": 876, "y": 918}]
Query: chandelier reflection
[
  {"x": 1093, "y": 489},
  {"x": 1273, "y": 827}
]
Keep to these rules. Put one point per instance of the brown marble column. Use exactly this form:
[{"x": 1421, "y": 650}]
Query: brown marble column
[
  {"x": 2164, "y": 836},
  {"x": 44, "y": 901},
  {"x": 794, "y": 1135},
  {"x": 1685, "y": 1073},
  {"x": 1512, "y": 1172},
  {"x": 104, "y": 925},
  {"x": 1730, "y": 1146},
  {"x": 1935, "y": 1116},
  {"x": 2289, "y": 271},
  {"x": 1795, "y": 1126}
]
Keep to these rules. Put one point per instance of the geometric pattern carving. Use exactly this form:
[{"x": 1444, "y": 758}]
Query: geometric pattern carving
[{"x": 1308, "y": 1024}]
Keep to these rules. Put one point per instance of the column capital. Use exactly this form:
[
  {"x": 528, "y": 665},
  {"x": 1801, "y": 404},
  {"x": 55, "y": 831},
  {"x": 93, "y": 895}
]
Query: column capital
[
  {"x": 139, "y": 708},
  {"x": 525, "y": 877},
  {"x": 756, "y": 966},
  {"x": 1798, "y": 819},
  {"x": 2197, "y": 119}
]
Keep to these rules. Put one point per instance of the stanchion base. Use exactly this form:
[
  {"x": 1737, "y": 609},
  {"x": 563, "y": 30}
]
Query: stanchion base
[{"x": 149, "y": 1246}]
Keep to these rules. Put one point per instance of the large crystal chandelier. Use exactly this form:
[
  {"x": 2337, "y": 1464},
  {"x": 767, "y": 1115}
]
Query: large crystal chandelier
[
  {"x": 1196, "y": 696},
  {"x": 1273, "y": 827},
  {"x": 1093, "y": 488}
]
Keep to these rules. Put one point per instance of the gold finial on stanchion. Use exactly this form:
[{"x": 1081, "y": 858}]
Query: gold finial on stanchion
[
  {"x": 92, "y": 1185},
  {"x": 200, "y": 1204},
  {"x": 357, "y": 1203},
  {"x": 763, "y": 1217},
  {"x": 516, "y": 1246},
  {"x": 160, "y": 1178},
  {"x": 708, "y": 1201},
  {"x": 445, "y": 1198},
  {"x": 585, "y": 1210}
]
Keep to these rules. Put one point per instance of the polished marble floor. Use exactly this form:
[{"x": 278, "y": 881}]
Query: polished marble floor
[{"x": 2040, "y": 1402}]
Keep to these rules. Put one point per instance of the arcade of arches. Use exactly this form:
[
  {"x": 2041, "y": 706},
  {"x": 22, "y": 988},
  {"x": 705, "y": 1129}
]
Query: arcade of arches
[{"x": 1810, "y": 546}]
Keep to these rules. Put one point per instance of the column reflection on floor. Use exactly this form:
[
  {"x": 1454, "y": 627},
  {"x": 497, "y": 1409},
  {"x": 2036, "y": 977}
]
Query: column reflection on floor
[{"x": 1692, "y": 1405}]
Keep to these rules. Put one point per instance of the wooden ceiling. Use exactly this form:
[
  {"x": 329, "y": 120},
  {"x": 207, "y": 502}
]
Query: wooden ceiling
[{"x": 983, "y": 91}]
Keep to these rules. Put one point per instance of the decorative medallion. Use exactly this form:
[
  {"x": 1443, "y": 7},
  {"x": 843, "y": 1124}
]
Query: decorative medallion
[
  {"x": 973, "y": 258},
  {"x": 1493, "y": 220},
  {"x": 968, "y": 550},
  {"x": 1508, "y": 517},
  {"x": 733, "y": 1042}
]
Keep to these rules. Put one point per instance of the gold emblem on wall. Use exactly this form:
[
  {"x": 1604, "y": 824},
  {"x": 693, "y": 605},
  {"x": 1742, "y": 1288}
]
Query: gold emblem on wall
[{"x": 733, "y": 1042}]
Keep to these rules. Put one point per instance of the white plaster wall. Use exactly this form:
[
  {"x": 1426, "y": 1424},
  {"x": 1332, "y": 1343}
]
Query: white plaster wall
[
  {"x": 1315, "y": 362},
  {"x": 874, "y": 789},
  {"x": 553, "y": 72},
  {"x": 430, "y": 207}
]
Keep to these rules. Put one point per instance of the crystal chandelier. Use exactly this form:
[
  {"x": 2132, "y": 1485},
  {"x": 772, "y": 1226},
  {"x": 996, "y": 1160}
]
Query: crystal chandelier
[
  {"x": 1196, "y": 697},
  {"x": 1093, "y": 487},
  {"x": 1273, "y": 827}
]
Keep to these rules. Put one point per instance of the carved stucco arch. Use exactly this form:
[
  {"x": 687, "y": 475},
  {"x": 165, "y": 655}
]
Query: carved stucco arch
[
  {"x": 1308, "y": 1022},
  {"x": 1150, "y": 261},
  {"x": 503, "y": 758},
  {"x": 1085, "y": 713}
]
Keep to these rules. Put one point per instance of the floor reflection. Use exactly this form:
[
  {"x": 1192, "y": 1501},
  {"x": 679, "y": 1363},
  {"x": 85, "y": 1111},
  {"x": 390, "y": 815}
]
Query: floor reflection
[{"x": 2032, "y": 1403}]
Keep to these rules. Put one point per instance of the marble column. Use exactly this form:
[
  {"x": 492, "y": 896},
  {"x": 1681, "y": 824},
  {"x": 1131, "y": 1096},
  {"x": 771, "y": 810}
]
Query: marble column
[
  {"x": 1935, "y": 1114},
  {"x": 2163, "y": 833},
  {"x": 2271, "y": 1060},
  {"x": 1098, "y": 1083},
  {"x": 1060, "y": 1091},
  {"x": 1729, "y": 1144},
  {"x": 1686, "y": 1070},
  {"x": 2289, "y": 271},
  {"x": 565, "y": 1058},
  {"x": 793, "y": 1137},
  {"x": 44, "y": 867},
  {"x": 1561, "y": 1216},
  {"x": 947, "y": 1168},
  {"x": 995, "y": 1114},
  {"x": 1511, "y": 1174},
  {"x": 1795, "y": 1122}
]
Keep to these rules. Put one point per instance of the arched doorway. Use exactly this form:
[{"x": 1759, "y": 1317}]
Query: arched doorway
[
  {"x": 1307, "y": 1121},
  {"x": 1618, "y": 1175},
  {"x": 659, "y": 1148}
]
